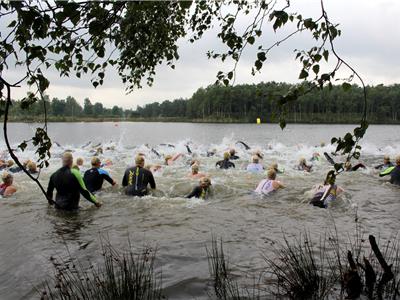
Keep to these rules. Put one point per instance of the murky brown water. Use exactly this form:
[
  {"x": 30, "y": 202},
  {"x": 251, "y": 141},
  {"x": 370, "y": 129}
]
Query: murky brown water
[{"x": 30, "y": 232}]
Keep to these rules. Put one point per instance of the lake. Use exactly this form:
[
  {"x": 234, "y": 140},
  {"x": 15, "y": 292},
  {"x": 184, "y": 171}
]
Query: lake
[{"x": 181, "y": 228}]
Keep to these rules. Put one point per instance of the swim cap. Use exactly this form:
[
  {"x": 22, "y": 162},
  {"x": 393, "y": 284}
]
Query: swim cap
[
  {"x": 227, "y": 155},
  {"x": 255, "y": 159},
  {"x": 6, "y": 177},
  {"x": 205, "y": 180}
]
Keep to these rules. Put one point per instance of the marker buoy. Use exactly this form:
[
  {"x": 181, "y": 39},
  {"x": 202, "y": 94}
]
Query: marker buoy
[{"x": 258, "y": 121}]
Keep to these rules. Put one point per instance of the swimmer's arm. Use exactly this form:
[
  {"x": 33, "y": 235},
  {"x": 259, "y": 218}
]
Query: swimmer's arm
[
  {"x": 124, "y": 180},
  {"x": 194, "y": 193},
  {"x": 107, "y": 176},
  {"x": 176, "y": 156},
  {"x": 83, "y": 190},
  {"x": 9, "y": 191},
  {"x": 339, "y": 190},
  {"x": 50, "y": 190},
  {"x": 152, "y": 181}
]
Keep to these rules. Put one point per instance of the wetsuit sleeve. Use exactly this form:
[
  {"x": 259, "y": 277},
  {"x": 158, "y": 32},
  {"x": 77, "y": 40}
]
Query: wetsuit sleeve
[
  {"x": 233, "y": 165},
  {"x": 82, "y": 187},
  {"x": 50, "y": 189},
  {"x": 106, "y": 176},
  {"x": 125, "y": 179},
  {"x": 152, "y": 182},
  {"x": 194, "y": 193}
]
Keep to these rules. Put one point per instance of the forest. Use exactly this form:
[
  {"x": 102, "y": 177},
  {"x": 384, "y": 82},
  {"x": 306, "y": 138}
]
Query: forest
[{"x": 239, "y": 103}]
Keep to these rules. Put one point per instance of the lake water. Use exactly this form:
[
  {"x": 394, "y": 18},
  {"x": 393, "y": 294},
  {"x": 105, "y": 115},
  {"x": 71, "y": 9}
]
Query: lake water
[{"x": 31, "y": 232}]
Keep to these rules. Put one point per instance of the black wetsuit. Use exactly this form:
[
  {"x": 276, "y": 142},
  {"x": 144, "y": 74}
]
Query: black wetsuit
[
  {"x": 136, "y": 180},
  {"x": 69, "y": 185},
  {"x": 198, "y": 192},
  {"x": 234, "y": 157},
  {"x": 395, "y": 176},
  {"x": 95, "y": 177},
  {"x": 225, "y": 164}
]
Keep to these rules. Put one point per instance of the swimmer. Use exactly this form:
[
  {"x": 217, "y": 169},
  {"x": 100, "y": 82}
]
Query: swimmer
[
  {"x": 395, "y": 174},
  {"x": 69, "y": 185},
  {"x": 17, "y": 169},
  {"x": 201, "y": 191},
  {"x": 258, "y": 153},
  {"x": 6, "y": 165},
  {"x": 302, "y": 166},
  {"x": 233, "y": 155},
  {"x": 274, "y": 167},
  {"x": 194, "y": 162},
  {"x": 169, "y": 159},
  {"x": 211, "y": 152},
  {"x": 225, "y": 163},
  {"x": 316, "y": 157},
  {"x": 153, "y": 168},
  {"x": 6, "y": 188},
  {"x": 32, "y": 167},
  {"x": 79, "y": 162},
  {"x": 386, "y": 163},
  {"x": 270, "y": 184},
  {"x": 95, "y": 176},
  {"x": 137, "y": 178},
  {"x": 195, "y": 172},
  {"x": 255, "y": 165},
  {"x": 326, "y": 192},
  {"x": 349, "y": 168}
]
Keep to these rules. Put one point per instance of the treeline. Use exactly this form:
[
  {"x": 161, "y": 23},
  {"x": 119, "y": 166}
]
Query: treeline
[
  {"x": 246, "y": 102},
  {"x": 240, "y": 103}
]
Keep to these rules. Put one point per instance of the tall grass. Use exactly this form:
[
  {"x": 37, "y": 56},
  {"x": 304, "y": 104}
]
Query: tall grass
[{"x": 119, "y": 275}]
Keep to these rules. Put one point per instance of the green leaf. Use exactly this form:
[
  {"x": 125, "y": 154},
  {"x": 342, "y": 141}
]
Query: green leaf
[
  {"x": 230, "y": 75},
  {"x": 258, "y": 64},
  {"x": 303, "y": 74},
  {"x": 261, "y": 56},
  {"x": 316, "y": 69},
  {"x": 317, "y": 57},
  {"x": 251, "y": 40},
  {"x": 326, "y": 54},
  {"x": 12, "y": 24}
]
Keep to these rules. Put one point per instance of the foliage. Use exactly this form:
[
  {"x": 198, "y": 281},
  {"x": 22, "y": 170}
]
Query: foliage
[{"x": 120, "y": 275}]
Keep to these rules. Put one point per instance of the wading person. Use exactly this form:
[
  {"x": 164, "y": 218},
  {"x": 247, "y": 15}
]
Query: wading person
[
  {"x": 95, "y": 176},
  {"x": 225, "y": 163},
  {"x": 255, "y": 166},
  {"x": 270, "y": 184},
  {"x": 327, "y": 192},
  {"x": 395, "y": 174},
  {"x": 136, "y": 179},
  {"x": 7, "y": 188},
  {"x": 69, "y": 185},
  {"x": 202, "y": 190}
]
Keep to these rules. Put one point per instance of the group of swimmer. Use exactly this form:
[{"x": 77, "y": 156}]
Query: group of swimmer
[{"x": 71, "y": 180}]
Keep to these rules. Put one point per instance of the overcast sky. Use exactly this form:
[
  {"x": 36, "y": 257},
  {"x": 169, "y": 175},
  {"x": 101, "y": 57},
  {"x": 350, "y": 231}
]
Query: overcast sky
[{"x": 370, "y": 41}]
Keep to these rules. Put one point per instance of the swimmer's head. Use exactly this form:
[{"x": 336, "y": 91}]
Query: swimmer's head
[
  {"x": 99, "y": 150},
  {"x": 347, "y": 165},
  {"x": 330, "y": 178},
  {"x": 271, "y": 174},
  {"x": 10, "y": 163},
  {"x": 205, "y": 182},
  {"x": 79, "y": 161},
  {"x": 167, "y": 158},
  {"x": 232, "y": 151},
  {"x": 96, "y": 162},
  {"x": 139, "y": 161},
  {"x": 274, "y": 166},
  {"x": 67, "y": 159},
  {"x": 322, "y": 144},
  {"x": 7, "y": 178},
  {"x": 31, "y": 166},
  {"x": 194, "y": 162},
  {"x": 255, "y": 159},
  {"x": 227, "y": 155},
  {"x": 195, "y": 169},
  {"x": 386, "y": 159},
  {"x": 302, "y": 161}
]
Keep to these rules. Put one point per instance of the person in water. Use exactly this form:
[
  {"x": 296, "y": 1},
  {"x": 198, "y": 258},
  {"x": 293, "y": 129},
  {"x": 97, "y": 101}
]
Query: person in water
[
  {"x": 32, "y": 167},
  {"x": 255, "y": 165},
  {"x": 316, "y": 157},
  {"x": 137, "y": 178},
  {"x": 153, "y": 168},
  {"x": 349, "y": 167},
  {"x": 95, "y": 176},
  {"x": 201, "y": 191},
  {"x": 7, "y": 188},
  {"x": 69, "y": 185},
  {"x": 326, "y": 192},
  {"x": 6, "y": 164},
  {"x": 233, "y": 155},
  {"x": 270, "y": 184},
  {"x": 17, "y": 169},
  {"x": 195, "y": 172},
  {"x": 225, "y": 163},
  {"x": 274, "y": 167},
  {"x": 302, "y": 166},
  {"x": 169, "y": 159},
  {"x": 258, "y": 153},
  {"x": 386, "y": 163},
  {"x": 395, "y": 174}
]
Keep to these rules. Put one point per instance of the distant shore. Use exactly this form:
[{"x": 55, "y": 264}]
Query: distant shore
[{"x": 52, "y": 119}]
